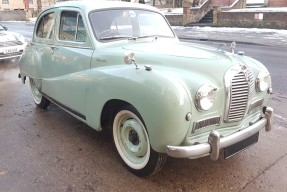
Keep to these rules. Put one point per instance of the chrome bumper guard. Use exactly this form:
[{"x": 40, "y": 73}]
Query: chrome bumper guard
[{"x": 215, "y": 143}]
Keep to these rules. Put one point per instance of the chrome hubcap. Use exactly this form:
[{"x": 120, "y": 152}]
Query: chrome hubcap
[
  {"x": 131, "y": 139},
  {"x": 37, "y": 96}
]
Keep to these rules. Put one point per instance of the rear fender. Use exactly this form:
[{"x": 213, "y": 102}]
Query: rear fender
[{"x": 30, "y": 65}]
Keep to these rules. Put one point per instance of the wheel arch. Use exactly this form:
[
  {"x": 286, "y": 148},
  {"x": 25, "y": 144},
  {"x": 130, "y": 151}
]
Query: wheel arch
[{"x": 109, "y": 110}]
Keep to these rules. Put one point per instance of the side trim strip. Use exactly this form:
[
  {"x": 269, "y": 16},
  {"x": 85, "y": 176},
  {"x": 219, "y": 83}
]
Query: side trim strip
[{"x": 76, "y": 113}]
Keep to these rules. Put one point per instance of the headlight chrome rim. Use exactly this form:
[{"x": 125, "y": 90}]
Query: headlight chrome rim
[
  {"x": 205, "y": 97},
  {"x": 262, "y": 82}
]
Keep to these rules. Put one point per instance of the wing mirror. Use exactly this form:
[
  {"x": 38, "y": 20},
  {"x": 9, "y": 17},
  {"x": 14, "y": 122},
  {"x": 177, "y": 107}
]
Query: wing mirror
[{"x": 129, "y": 58}]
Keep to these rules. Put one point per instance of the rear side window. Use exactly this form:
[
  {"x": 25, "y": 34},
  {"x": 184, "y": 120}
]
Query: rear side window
[
  {"x": 45, "y": 28},
  {"x": 72, "y": 27}
]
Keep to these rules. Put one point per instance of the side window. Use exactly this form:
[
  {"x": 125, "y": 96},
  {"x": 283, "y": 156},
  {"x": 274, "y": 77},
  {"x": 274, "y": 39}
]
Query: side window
[
  {"x": 45, "y": 28},
  {"x": 72, "y": 27},
  {"x": 81, "y": 31}
]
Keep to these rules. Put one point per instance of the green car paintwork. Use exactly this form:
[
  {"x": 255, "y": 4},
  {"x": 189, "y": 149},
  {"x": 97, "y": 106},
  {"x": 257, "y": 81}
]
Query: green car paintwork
[{"x": 85, "y": 77}]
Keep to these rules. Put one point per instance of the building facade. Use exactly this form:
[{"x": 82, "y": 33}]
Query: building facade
[
  {"x": 28, "y": 5},
  {"x": 8, "y": 5},
  {"x": 264, "y": 3}
]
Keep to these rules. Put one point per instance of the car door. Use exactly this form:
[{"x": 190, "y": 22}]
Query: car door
[
  {"x": 39, "y": 48},
  {"x": 65, "y": 73}
]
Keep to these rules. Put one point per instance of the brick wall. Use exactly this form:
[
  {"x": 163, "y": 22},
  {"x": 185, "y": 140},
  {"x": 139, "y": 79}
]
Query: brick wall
[
  {"x": 175, "y": 20},
  {"x": 271, "y": 3},
  {"x": 273, "y": 20},
  {"x": 277, "y": 3},
  {"x": 15, "y": 15},
  {"x": 197, "y": 13},
  {"x": 222, "y": 2}
]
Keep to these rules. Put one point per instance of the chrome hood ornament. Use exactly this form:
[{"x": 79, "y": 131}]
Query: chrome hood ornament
[
  {"x": 244, "y": 69},
  {"x": 232, "y": 46}
]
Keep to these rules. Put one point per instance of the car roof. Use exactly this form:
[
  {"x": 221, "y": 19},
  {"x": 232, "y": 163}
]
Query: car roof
[{"x": 89, "y": 5}]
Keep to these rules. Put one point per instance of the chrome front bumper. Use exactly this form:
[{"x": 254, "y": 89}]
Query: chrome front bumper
[{"x": 215, "y": 142}]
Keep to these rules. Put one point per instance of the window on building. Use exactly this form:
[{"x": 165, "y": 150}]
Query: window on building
[
  {"x": 72, "y": 27},
  {"x": 5, "y": 1},
  {"x": 30, "y": 1}
]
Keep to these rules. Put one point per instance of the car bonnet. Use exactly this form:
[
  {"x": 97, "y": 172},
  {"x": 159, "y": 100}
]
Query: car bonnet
[{"x": 176, "y": 49}]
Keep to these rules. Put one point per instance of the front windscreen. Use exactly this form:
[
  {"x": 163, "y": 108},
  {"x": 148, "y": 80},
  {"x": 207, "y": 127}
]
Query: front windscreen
[{"x": 128, "y": 23}]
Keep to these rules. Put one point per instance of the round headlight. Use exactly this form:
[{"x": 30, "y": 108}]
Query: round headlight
[
  {"x": 262, "y": 81},
  {"x": 205, "y": 97}
]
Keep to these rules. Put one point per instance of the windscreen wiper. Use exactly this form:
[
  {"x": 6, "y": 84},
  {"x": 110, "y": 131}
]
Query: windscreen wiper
[
  {"x": 113, "y": 37},
  {"x": 144, "y": 36}
]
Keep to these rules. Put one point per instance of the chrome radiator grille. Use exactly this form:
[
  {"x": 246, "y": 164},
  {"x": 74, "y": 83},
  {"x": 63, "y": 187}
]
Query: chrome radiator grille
[
  {"x": 239, "y": 91},
  {"x": 239, "y": 97},
  {"x": 10, "y": 43}
]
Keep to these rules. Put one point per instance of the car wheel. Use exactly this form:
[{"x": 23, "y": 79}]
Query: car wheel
[
  {"x": 132, "y": 143},
  {"x": 41, "y": 101}
]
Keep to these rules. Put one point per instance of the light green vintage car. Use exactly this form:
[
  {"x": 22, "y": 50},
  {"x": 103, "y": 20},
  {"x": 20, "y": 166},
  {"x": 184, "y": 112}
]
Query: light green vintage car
[{"x": 120, "y": 65}]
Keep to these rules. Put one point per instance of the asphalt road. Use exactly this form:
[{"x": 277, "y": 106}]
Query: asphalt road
[
  {"x": 49, "y": 150},
  {"x": 274, "y": 58},
  {"x": 24, "y": 28}
]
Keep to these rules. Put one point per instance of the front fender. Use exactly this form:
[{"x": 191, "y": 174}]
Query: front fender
[{"x": 162, "y": 101}]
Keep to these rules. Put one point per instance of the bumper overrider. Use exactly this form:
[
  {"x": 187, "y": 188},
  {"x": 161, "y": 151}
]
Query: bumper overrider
[{"x": 216, "y": 142}]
